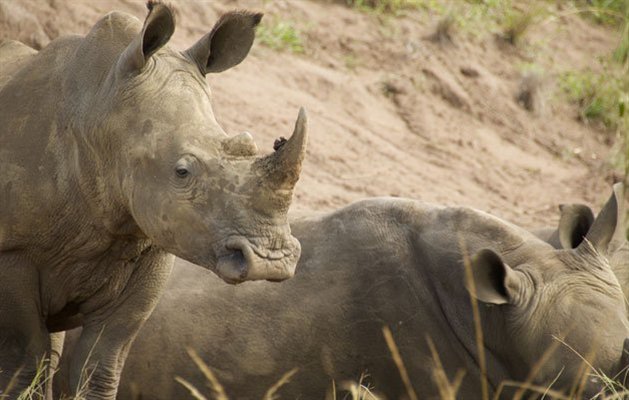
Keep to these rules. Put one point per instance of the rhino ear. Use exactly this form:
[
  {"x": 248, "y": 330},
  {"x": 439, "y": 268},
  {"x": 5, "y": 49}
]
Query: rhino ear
[
  {"x": 227, "y": 44},
  {"x": 574, "y": 224},
  {"x": 157, "y": 30},
  {"x": 495, "y": 281},
  {"x": 608, "y": 223}
]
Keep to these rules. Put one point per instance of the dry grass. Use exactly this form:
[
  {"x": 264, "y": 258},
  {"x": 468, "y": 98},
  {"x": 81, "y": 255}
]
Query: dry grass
[
  {"x": 444, "y": 31},
  {"x": 355, "y": 390},
  {"x": 447, "y": 389},
  {"x": 517, "y": 24},
  {"x": 530, "y": 92},
  {"x": 271, "y": 394},
  {"x": 216, "y": 387},
  {"x": 395, "y": 353},
  {"x": 478, "y": 329}
]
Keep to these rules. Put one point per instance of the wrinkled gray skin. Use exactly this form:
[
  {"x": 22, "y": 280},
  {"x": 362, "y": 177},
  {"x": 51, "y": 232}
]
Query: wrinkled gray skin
[
  {"x": 577, "y": 222},
  {"x": 111, "y": 159},
  {"x": 395, "y": 263}
]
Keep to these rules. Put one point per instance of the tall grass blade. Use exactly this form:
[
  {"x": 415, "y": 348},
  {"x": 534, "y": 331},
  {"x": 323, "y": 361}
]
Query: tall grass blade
[
  {"x": 213, "y": 382},
  {"x": 12, "y": 382},
  {"x": 399, "y": 363},
  {"x": 193, "y": 391},
  {"x": 270, "y": 394},
  {"x": 478, "y": 329},
  {"x": 447, "y": 389}
]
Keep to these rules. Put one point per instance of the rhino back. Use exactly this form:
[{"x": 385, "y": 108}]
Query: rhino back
[{"x": 44, "y": 100}]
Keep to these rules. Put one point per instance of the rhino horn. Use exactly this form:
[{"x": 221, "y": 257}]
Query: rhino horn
[{"x": 281, "y": 169}]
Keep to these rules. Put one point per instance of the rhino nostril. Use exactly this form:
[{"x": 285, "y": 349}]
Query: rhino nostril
[
  {"x": 232, "y": 266},
  {"x": 235, "y": 255}
]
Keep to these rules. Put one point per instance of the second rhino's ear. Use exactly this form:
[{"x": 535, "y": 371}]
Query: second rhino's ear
[
  {"x": 227, "y": 44},
  {"x": 608, "y": 224},
  {"x": 156, "y": 32},
  {"x": 495, "y": 282},
  {"x": 574, "y": 224}
]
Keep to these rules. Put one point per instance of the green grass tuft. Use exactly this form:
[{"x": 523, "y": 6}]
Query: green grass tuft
[
  {"x": 601, "y": 97},
  {"x": 607, "y": 12},
  {"x": 281, "y": 35},
  {"x": 387, "y": 6},
  {"x": 515, "y": 24}
]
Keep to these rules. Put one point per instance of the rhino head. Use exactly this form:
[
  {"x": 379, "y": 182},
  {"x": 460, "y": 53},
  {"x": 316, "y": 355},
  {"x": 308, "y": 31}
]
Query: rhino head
[
  {"x": 577, "y": 222},
  {"x": 188, "y": 187},
  {"x": 564, "y": 308}
]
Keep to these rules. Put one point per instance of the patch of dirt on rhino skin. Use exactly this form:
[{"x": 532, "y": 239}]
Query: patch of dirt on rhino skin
[{"x": 391, "y": 112}]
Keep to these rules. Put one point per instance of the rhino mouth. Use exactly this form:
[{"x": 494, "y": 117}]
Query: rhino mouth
[{"x": 241, "y": 260}]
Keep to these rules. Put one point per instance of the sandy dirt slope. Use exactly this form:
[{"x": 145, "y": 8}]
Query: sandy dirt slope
[{"x": 392, "y": 112}]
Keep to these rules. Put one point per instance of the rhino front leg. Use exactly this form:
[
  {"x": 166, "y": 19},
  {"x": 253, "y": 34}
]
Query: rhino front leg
[
  {"x": 108, "y": 332},
  {"x": 23, "y": 336},
  {"x": 56, "y": 349}
]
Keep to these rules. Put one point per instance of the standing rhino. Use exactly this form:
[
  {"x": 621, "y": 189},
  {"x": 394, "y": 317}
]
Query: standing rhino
[
  {"x": 395, "y": 263},
  {"x": 577, "y": 223},
  {"x": 111, "y": 159}
]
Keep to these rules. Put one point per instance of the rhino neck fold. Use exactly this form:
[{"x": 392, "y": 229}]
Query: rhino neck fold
[
  {"x": 480, "y": 231},
  {"x": 459, "y": 320}
]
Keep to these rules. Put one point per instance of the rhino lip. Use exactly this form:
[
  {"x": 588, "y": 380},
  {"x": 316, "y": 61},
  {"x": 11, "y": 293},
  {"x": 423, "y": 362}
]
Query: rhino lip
[{"x": 239, "y": 257}]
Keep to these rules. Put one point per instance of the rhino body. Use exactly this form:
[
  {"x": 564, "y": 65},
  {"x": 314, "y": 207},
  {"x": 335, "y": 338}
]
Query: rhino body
[
  {"x": 394, "y": 263},
  {"x": 111, "y": 160}
]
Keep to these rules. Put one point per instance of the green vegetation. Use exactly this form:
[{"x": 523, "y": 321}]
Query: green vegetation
[
  {"x": 444, "y": 30},
  {"x": 604, "y": 96},
  {"x": 609, "y": 12},
  {"x": 515, "y": 24},
  {"x": 385, "y": 6},
  {"x": 351, "y": 62},
  {"x": 614, "y": 13},
  {"x": 281, "y": 35},
  {"x": 600, "y": 96},
  {"x": 621, "y": 54}
]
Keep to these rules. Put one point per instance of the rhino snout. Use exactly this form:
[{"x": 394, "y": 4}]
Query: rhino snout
[
  {"x": 232, "y": 267},
  {"x": 243, "y": 261}
]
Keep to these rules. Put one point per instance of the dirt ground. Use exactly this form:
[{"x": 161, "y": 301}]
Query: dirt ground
[{"x": 392, "y": 112}]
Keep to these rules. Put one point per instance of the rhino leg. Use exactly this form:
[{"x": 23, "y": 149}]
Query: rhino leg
[
  {"x": 56, "y": 348},
  {"x": 23, "y": 337},
  {"x": 108, "y": 332}
]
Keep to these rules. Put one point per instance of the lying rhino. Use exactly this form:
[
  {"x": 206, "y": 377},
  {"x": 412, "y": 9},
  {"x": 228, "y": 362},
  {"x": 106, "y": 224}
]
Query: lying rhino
[
  {"x": 395, "y": 263},
  {"x": 111, "y": 159},
  {"x": 577, "y": 222}
]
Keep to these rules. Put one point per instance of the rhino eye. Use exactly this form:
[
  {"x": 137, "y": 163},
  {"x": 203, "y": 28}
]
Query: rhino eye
[{"x": 182, "y": 172}]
